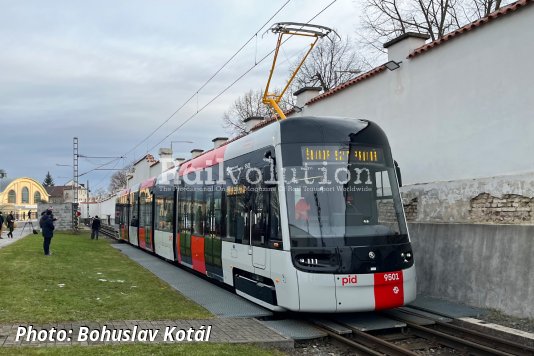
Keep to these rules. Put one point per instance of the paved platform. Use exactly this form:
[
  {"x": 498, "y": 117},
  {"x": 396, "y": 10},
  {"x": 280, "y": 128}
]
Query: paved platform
[
  {"x": 221, "y": 330},
  {"x": 367, "y": 321},
  {"x": 211, "y": 296},
  {"x": 19, "y": 232},
  {"x": 295, "y": 329},
  {"x": 445, "y": 308}
]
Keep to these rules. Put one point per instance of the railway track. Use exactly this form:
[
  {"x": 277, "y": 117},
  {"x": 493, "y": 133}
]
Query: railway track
[
  {"x": 367, "y": 344},
  {"x": 108, "y": 231},
  {"x": 415, "y": 339},
  {"x": 464, "y": 338}
]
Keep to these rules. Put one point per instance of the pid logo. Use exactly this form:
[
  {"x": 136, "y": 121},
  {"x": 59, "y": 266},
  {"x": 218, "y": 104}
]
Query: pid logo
[{"x": 349, "y": 280}]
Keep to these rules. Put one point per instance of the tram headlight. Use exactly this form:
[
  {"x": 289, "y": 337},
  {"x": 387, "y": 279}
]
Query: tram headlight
[{"x": 407, "y": 256}]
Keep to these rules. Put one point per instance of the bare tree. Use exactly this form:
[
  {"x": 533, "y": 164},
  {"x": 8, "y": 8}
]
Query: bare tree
[
  {"x": 119, "y": 179},
  {"x": 383, "y": 20},
  {"x": 250, "y": 104},
  {"x": 332, "y": 62},
  {"x": 100, "y": 193},
  {"x": 482, "y": 8},
  {"x": 387, "y": 19}
]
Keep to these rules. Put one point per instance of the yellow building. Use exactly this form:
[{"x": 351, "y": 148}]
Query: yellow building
[{"x": 20, "y": 196}]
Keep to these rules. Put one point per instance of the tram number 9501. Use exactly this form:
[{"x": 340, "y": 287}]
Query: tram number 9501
[{"x": 388, "y": 277}]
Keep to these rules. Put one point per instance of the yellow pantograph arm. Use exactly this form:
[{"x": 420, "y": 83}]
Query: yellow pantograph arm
[{"x": 291, "y": 29}]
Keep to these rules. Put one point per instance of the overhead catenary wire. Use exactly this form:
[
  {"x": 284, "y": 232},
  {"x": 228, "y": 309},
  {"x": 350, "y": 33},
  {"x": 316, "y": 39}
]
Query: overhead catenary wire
[
  {"x": 208, "y": 81},
  {"x": 100, "y": 166},
  {"x": 234, "y": 82},
  {"x": 108, "y": 175},
  {"x": 196, "y": 93},
  {"x": 210, "y": 78},
  {"x": 222, "y": 91}
]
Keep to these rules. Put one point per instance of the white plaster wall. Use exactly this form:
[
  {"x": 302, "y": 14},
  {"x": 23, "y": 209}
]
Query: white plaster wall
[
  {"x": 462, "y": 110},
  {"x": 141, "y": 173},
  {"x": 102, "y": 209}
]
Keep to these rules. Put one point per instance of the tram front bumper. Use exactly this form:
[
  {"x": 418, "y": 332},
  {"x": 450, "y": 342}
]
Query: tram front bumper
[{"x": 356, "y": 292}]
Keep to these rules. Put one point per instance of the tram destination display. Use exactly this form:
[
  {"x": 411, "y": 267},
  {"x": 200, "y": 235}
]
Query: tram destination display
[{"x": 339, "y": 154}]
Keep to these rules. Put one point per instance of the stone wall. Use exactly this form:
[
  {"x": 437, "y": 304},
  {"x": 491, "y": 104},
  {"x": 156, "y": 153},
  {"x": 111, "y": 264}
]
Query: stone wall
[
  {"x": 62, "y": 212},
  {"x": 495, "y": 200},
  {"x": 410, "y": 208},
  {"x": 507, "y": 209}
]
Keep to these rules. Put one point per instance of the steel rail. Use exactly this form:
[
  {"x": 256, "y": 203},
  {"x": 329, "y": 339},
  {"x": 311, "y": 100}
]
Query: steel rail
[
  {"x": 388, "y": 347},
  {"x": 488, "y": 340},
  {"x": 384, "y": 347},
  {"x": 452, "y": 341}
]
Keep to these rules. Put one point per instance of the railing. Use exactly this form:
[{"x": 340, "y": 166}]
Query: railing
[{"x": 109, "y": 231}]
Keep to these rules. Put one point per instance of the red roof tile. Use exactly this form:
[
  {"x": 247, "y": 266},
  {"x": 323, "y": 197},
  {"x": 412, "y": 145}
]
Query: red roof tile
[
  {"x": 473, "y": 25},
  {"x": 347, "y": 84}
]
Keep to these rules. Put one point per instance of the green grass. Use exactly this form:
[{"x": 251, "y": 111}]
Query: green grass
[
  {"x": 144, "y": 349},
  {"x": 68, "y": 286}
]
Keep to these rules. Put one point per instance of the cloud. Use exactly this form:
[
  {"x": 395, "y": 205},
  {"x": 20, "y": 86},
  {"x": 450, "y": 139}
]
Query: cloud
[{"x": 109, "y": 73}]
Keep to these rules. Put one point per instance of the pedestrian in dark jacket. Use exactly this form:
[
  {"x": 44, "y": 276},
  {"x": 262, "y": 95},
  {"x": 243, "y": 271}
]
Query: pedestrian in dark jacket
[
  {"x": 10, "y": 221},
  {"x": 95, "y": 227},
  {"x": 1, "y": 224},
  {"x": 47, "y": 226}
]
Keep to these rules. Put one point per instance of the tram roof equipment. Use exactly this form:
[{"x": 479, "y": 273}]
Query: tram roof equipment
[{"x": 291, "y": 29}]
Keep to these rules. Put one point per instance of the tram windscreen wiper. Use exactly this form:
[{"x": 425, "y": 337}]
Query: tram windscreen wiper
[{"x": 319, "y": 217}]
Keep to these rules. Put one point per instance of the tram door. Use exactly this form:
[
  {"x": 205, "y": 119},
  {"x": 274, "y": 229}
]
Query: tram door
[{"x": 258, "y": 216}]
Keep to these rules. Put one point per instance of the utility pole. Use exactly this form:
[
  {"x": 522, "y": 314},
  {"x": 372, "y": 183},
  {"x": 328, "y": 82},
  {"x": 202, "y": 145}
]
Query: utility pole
[
  {"x": 88, "y": 198},
  {"x": 75, "y": 183},
  {"x": 75, "y": 169}
]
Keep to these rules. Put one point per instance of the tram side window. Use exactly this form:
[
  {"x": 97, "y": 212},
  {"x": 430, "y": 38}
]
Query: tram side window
[
  {"x": 179, "y": 215},
  {"x": 219, "y": 212},
  {"x": 142, "y": 198},
  {"x": 118, "y": 213},
  {"x": 230, "y": 218},
  {"x": 124, "y": 219},
  {"x": 133, "y": 212},
  {"x": 383, "y": 185},
  {"x": 237, "y": 218},
  {"x": 209, "y": 216},
  {"x": 185, "y": 209},
  {"x": 122, "y": 211},
  {"x": 217, "y": 206},
  {"x": 260, "y": 215},
  {"x": 145, "y": 209},
  {"x": 198, "y": 212},
  {"x": 275, "y": 232},
  {"x": 164, "y": 214},
  {"x": 385, "y": 211}
]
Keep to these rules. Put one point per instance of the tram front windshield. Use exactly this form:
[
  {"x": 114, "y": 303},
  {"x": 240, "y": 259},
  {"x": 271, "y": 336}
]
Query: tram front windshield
[{"x": 341, "y": 195}]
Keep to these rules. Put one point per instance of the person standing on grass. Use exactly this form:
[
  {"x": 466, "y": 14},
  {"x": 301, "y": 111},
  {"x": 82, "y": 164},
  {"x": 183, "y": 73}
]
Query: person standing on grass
[
  {"x": 95, "y": 227},
  {"x": 47, "y": 226},
  {"x": 10, "y": 221},
  {"x": 1, "y": 224}
]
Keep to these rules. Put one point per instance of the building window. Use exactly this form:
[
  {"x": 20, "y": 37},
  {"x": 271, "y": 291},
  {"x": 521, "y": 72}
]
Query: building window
[
  {"x": 12, "y": 197},
  {"x": 36, "y": 197},
  {"x": 25, "y": 196}
]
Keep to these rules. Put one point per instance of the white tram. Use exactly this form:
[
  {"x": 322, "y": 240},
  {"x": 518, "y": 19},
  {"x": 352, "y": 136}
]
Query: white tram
[{"x": 303, "y": 214}]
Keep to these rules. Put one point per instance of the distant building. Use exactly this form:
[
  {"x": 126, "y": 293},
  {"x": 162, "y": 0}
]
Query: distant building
[
  {"x": 65, "y": 193},
  {"x": 148, "y": 167},
  {"x": 21, "y": 195}
]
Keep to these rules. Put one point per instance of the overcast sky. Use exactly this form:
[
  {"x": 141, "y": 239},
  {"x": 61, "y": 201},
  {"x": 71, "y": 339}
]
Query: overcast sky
[{"x": 110, "y": 72}]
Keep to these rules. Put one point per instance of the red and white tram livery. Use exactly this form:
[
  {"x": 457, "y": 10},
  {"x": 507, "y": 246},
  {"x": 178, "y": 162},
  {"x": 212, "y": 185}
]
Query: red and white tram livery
[{"x": 303, "y": 214}]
